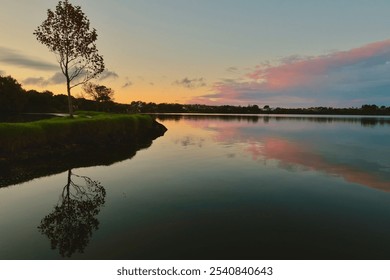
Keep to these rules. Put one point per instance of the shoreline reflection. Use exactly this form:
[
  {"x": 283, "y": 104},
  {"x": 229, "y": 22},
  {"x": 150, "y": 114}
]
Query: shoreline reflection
[
  {"x": 363, "y": 120},
  {"x": 70, "y": 226},
  {"x": 292, "y": 147},
  {"x": 289, "y": 153},
  {"x": 20, "y": 171}
]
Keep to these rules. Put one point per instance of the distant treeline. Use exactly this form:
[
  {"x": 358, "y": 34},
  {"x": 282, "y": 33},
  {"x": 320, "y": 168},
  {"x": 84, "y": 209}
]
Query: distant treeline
[
  {"x": 143, "y": 107},
  {"x": 15, "y": 100}
]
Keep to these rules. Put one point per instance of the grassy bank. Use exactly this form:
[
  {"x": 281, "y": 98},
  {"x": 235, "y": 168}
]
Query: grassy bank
[{"x": 88, "y": 129}]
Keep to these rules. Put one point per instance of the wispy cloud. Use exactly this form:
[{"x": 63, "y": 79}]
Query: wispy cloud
[
  {"x": 190, "y": 83},
  {"x": 14, "y": 57},
  {"x": 338, "y": 78},
  {"x": 35, "y": 81},
  {"x": 57, "y": 78},
  {"x": 232, "y": 69},
  {"x": 127, "y": 84},
  {"x": 107, "y": 74}
]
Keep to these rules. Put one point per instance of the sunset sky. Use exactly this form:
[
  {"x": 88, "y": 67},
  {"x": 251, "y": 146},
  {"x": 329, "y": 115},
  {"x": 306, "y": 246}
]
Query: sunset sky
[{"x": 280, "y": 53}]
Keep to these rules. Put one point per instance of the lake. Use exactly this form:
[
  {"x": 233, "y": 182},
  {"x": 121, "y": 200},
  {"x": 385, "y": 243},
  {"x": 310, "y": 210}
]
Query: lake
[{"x": 213, "y": 187}]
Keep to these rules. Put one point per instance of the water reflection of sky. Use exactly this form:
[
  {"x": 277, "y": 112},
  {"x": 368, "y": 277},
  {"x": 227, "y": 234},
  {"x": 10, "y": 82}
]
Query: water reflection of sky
[
  {"x": 346, "y": 149},
  {"x": 244, "y": 188}
]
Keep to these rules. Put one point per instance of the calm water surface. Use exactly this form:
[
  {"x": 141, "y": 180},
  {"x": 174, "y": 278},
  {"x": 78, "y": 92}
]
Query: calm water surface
[{"x": 216, "y": 187}]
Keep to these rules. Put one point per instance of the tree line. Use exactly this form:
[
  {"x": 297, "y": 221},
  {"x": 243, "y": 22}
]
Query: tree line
[
  {"x": 143, "y": 107},
  {"x": 15, "y": 100}
]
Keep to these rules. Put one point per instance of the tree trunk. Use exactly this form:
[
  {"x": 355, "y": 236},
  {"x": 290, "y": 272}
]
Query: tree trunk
[
  {"x": 70, "y": 105},
  {"x": 69, "y": 181}
]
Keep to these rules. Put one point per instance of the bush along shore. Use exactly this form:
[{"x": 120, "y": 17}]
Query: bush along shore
[{"x": 63, "y": 135}]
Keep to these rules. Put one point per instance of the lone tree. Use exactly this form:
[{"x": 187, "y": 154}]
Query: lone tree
[
  {"x": 66, "y": 32},
  {"x": 99, "y": 93}
]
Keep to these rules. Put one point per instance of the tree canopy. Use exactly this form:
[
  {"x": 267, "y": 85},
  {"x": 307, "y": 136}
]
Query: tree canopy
[
  {"x": 12, "y": 98},
  {"x": 99, "y": 93},
  {"x": 67, "y": 33}
]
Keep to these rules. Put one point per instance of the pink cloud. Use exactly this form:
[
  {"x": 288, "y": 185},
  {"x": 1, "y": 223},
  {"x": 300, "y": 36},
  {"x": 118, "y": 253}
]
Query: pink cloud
[
  {"x": 303, "y": 71},
  {"x": 343, "y": 78}
]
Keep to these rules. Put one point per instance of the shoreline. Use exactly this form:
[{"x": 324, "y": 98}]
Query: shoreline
[
  {"x": 56, "y": 155},
  {"x": 21, "y": 141},
  {"x": 319, "y": 115}
]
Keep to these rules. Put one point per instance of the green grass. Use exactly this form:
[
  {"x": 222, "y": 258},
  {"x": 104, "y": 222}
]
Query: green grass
[{"x": 87, "y": 128}]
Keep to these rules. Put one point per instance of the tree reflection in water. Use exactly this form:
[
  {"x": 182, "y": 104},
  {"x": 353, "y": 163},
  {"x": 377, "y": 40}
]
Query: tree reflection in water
[{"x": 70, "y": 226}]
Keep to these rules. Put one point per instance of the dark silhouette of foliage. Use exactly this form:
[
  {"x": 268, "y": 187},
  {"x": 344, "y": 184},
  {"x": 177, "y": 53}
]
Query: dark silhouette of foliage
[
  {"x": 99, "y": 93},
  {"x": 370, "y": 108},
  {"x": 12, "y": 98},
  {"x": 66, "y": 32},
  {"x": 143, "y": 107},
  {"x": 70, "y": 226},
  {"x": 38, "y": 102}
]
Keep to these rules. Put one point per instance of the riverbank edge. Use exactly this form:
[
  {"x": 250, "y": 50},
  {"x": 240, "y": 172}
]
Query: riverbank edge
[{"x": 63, "y": 135}]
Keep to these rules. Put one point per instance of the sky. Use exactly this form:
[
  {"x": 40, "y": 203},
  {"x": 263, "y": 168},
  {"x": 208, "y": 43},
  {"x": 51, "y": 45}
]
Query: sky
[{"x": 279, "y": 53}]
